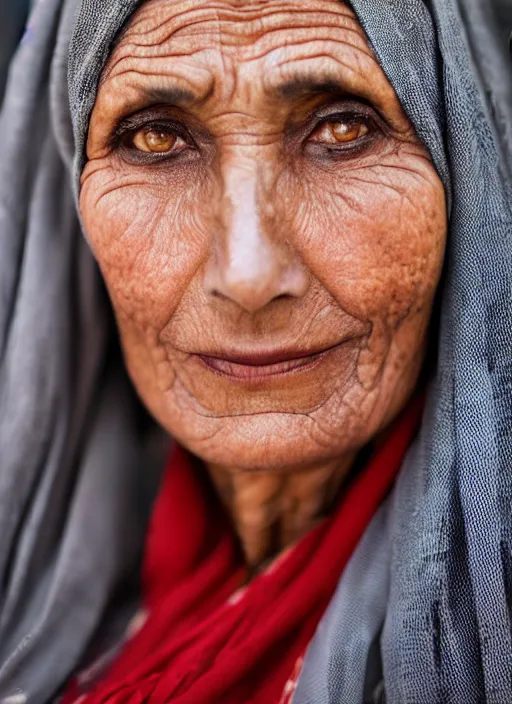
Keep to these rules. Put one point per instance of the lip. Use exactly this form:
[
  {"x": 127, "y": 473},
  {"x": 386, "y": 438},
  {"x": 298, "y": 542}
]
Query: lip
[{"x": 257, "y": 366}]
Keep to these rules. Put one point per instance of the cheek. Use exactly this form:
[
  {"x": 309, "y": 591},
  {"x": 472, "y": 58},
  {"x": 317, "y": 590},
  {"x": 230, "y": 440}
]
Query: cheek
[
  {"x": 148, "y": 238},
  {"x": 375, "y": 237}
]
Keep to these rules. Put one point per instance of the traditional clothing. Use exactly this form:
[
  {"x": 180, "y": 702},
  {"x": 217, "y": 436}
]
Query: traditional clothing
[
  {"x": 208, "y": 637},
  {"x": 428, "y": 586}
]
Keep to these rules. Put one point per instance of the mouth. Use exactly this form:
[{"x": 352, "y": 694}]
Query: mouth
[{"x": 264, "y": 365}]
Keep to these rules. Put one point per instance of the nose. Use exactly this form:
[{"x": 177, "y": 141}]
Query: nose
[{"x": 250, "y": 264}]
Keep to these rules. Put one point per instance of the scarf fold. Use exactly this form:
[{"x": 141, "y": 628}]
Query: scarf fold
[{"x": 207, "y": 637}]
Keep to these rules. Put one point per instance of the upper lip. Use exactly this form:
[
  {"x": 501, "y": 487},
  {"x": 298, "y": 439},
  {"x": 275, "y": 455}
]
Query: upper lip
[{"x": 263, "y": 358}]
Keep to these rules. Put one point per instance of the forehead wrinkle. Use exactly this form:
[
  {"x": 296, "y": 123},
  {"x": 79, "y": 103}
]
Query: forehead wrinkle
[
  {"x": 255, "y": 26},
  {"x": 221, "y": 24},
  {"x": 131, "y": 47},
  {"x": 300, "y": 40},
  {"x": 130, "y": 57},
  {"x": 194, "y": 77},
  {"x": 172, "y": 22},
  {"x": 238, "y": 10},
  {"x": 330, "y": 69},
  {"x": 277, "y": 25},
  {"x": 233, "y": 21}
]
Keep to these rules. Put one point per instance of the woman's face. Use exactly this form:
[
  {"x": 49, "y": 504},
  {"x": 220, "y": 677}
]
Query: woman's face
[{"x": 268, "y": 224}]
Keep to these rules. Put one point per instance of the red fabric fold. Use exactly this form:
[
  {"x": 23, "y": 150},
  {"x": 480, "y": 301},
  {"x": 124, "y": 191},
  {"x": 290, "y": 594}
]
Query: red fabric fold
[{"x": 209, "y": 640}]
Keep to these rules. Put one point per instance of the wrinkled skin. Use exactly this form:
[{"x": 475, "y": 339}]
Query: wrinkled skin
[{"x": 250, "y": 229}]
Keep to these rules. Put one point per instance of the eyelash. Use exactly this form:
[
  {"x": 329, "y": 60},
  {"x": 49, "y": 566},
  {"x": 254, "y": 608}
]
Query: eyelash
[
  {"x": 348, "y": 147},
  {"x": 126, "y": 132}
]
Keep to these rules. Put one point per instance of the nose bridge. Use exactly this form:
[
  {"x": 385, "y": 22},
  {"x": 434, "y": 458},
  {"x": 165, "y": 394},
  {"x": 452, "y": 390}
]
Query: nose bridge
[
  {"x": 245, "y": 243},
  {"x": 250, "y": 265}
]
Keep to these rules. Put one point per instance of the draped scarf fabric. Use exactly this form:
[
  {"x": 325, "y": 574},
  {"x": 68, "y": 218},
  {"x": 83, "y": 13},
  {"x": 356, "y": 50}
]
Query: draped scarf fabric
[
  {"x": 68, "y": 442},
  {"x": 441, "y": 611},
  {"x": 207, "y": 638},
  {"x": 432, "y": 577}
]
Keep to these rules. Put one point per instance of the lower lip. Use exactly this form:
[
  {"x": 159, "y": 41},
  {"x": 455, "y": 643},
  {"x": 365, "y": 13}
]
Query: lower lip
[{"x": 245, "y": 372}]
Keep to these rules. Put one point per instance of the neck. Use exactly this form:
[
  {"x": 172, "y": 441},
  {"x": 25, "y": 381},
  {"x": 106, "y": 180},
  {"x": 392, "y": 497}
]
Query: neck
[{"x": 271, "y": 511}]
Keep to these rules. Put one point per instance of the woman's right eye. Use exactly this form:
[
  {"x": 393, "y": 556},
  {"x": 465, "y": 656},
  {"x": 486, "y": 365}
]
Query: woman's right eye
[{"x": 157, "y": 140}]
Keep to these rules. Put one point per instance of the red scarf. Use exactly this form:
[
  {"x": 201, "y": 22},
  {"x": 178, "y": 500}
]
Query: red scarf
[{"x": 208, "y": 640}]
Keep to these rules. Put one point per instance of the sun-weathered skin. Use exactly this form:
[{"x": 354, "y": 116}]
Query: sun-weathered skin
[{"x": 257, "y": 230}]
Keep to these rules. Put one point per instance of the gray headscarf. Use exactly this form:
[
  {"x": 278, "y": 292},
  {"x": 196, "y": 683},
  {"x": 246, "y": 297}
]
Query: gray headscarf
[{"x": 431, "y": 581}]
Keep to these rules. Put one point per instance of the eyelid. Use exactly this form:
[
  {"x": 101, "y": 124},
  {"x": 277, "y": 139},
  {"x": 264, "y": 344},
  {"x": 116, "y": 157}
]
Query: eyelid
[
  {"x": 146, "y": 120},
  {"x": 348, "y": 116},
  {"x": 351, "y": 144},
  {"x": 298, "y": 133},
  {"x": 122, "y": 139},
  {"x": 342, "y": 117},
  {"x": 355, "y": 107},
  {"x": 346, "y": 110},
  {"x": 378, "y": 131}
]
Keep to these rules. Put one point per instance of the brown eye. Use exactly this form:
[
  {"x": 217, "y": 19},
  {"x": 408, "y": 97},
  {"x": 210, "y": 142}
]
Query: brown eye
[
  {"x": 340, "y": 131},
  {"x": 156, "y": 141}
]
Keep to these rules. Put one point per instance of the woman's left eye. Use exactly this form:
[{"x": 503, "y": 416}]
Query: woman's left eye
[
  {"x": 341, "y": 131},
  {"x": 156, "y": 140}
]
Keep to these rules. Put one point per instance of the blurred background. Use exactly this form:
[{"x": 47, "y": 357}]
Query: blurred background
[
  {"x": 503, "y": 9},
  {"x": 13, "y": 14}
]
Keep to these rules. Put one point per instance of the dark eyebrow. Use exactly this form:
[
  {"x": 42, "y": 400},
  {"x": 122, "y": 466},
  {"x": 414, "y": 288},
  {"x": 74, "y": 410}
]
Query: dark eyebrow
[
  {"x": 169, "y": 96},
  {"x": 302, "y": 86}
]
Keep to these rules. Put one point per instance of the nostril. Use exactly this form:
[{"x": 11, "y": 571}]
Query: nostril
[
  {"x": 249, "y": 293},
  {"x": 282, "y": 296},
  {"x": 253, "y": 290}
]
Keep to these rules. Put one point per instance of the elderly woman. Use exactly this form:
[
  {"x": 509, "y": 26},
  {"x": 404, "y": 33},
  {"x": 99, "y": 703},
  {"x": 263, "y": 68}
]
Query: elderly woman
[{"x": 301, "y": 213}]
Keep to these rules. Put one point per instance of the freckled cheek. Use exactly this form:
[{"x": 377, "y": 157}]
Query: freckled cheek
[
  {"x": 378, "y": 248},
  {"x": 149, "y": 241}
]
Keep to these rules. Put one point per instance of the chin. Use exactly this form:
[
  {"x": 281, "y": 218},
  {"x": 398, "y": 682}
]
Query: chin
[{"x": 284, "y": 442}]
